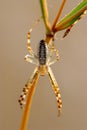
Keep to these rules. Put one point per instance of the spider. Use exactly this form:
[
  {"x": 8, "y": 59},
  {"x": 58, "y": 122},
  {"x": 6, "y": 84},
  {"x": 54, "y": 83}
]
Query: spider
[{"x": 45, "y": 57}]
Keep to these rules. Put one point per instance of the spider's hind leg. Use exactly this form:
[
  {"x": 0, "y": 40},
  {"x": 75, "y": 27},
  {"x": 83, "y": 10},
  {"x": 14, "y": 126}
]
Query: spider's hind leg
[
  {"x": 29, "y": 87},
  {"x": 55, "y": 89}
]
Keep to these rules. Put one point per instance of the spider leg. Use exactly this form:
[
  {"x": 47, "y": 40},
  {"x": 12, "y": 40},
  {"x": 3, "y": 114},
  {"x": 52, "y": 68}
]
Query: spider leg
[
  {"x": 29, "y": 36},
  {"x": 29, "y": 87},
  {"x": 28, "y": 43},
  {"x": 67, "y": 30},
  {"x": 31, "y": 59},
  {"x": 55, "y": 89},
  {"x": 53, "y": 55}
]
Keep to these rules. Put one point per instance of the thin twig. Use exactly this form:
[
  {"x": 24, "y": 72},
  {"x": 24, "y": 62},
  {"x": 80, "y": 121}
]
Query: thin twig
[{"x": 58, "y": 14}]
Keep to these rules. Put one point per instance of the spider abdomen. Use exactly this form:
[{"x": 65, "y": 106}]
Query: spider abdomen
[{"x": 42, "y": 54}]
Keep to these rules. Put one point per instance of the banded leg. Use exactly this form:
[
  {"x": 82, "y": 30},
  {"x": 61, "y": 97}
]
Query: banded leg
[
  {"x": 28, "y": 43},
  {"x": 67, "y": 31},
  {"x": 29, "y": 35},
  {"x": 53, "y": 54},
  {"x": 28, "y": 87},
  {"x": 56, "y": 90},
  {"x": 54, "y": 57}
]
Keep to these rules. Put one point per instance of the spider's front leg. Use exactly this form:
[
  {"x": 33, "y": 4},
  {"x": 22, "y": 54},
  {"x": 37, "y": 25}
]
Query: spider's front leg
[
  {"x": 31, "y": 57},
  {"x": 28, "y": 43},
  {"x": 55, "y": 89},
  {"x": 29, "y": 36}
]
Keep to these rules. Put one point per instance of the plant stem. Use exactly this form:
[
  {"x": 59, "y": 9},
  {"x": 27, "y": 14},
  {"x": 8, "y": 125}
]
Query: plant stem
[
  {"x": 45, "y": 15},
  {"x": 58, "y": 14},
  {"x": 26, "y": 113}
]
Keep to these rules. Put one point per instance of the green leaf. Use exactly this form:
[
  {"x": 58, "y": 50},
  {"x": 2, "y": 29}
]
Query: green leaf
[{"x": 72, "y": 17}]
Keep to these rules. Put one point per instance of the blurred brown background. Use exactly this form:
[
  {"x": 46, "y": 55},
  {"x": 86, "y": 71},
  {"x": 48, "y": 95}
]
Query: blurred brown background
[{"x": 16, "y": 17}]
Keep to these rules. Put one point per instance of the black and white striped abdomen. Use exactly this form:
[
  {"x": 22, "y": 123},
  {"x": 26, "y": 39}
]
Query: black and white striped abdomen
[{"x": 42, "y": 52}]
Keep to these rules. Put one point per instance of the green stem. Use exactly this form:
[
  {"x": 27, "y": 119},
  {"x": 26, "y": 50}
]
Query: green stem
[{"x": 45, "y": 16}]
